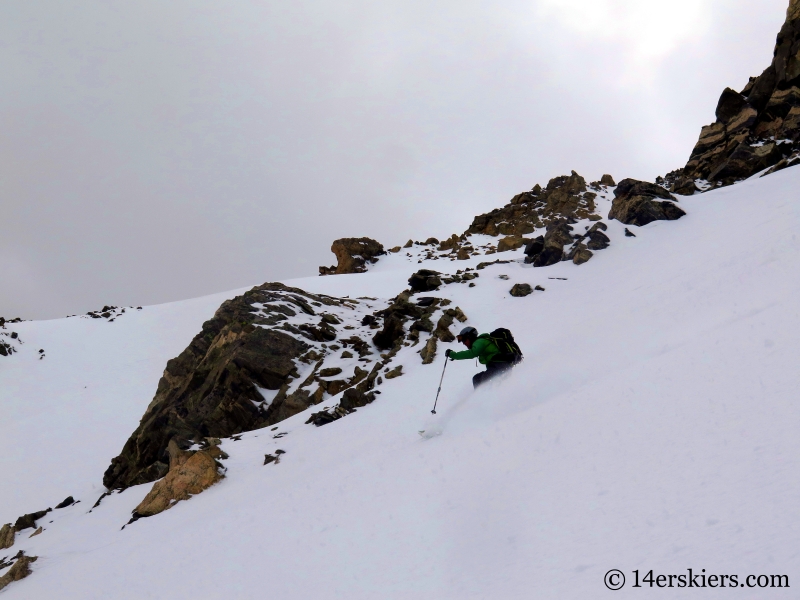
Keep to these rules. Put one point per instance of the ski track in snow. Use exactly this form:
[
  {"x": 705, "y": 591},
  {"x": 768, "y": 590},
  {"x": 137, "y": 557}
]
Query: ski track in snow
[{"x": 653, "y": 425}]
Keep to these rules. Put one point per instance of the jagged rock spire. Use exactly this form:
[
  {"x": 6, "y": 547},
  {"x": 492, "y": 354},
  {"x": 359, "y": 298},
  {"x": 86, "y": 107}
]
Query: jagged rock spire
[{"x": 756, "y": 128}]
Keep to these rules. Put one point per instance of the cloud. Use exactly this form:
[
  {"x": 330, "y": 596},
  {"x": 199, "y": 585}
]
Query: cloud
[{"x": 646, "y": 30}]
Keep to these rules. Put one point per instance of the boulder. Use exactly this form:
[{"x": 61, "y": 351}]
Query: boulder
[
  {"x": 520, "y": 290},
  {"x": 330, "y": 372},
  {"x": 684, "y": 186},
  {"x": 391, "y": 332},
  {"x": 510, "y": 243},
  {"x": 607, "y": 180},
  {"x": 638, "y": 203},
  {"x": 580, "y": 254},
  {"x": 189, "y": 474},
  {"x": 535, "y": 246},
  {"x": 425, "y": 280},
  {"x": 597, "y": 240},
  {"x": 68, "y": 501},
  {"x": 353, "y": 398},
  {"x": 353, "y": 254}
]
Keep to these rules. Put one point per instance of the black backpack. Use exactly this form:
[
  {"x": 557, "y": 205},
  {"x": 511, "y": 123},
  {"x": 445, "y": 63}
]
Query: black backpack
[{"x": 509, "y": 350}]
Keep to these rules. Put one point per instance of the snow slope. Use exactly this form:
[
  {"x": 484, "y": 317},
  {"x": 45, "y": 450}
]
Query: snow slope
[{"x": 653, "y": 425}]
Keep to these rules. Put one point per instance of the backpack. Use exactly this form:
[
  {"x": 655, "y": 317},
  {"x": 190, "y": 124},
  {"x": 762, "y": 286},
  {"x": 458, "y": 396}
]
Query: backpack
[{"x": 509, "y": 350}]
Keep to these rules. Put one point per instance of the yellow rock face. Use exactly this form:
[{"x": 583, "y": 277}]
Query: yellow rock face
[{"x": 189, "y": 474}]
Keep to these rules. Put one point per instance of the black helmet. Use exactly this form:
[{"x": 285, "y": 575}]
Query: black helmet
[{"x": 468, "y": 333}]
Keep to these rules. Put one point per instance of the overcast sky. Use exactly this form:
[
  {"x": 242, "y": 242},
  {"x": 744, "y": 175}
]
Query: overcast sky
[{"x": 154, "y": 151}]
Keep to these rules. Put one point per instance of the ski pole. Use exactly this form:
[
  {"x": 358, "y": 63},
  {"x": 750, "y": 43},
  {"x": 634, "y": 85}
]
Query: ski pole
[{"x": 440, "y": 386}]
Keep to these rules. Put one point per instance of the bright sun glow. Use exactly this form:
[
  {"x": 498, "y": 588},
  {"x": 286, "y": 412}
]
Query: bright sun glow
[{"x": 651, "y": 28}]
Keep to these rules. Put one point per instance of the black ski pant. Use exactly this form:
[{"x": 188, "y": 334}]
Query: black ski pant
[{"x": 492, "y": 370}]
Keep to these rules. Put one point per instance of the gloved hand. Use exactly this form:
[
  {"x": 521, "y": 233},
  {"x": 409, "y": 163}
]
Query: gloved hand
[{"x": 448, "y": 352}]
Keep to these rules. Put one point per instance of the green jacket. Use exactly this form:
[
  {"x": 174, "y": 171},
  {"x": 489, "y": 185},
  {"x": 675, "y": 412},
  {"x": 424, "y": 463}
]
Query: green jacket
[{"x": 483, "y": 348}]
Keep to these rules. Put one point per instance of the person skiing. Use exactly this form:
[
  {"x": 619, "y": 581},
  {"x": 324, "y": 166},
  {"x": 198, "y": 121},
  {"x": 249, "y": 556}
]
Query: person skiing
[{"x": 485, "y": 349}]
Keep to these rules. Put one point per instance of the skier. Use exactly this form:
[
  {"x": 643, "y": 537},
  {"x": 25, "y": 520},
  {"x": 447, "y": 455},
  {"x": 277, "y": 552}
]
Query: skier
[{"x": 485, "y": 348}]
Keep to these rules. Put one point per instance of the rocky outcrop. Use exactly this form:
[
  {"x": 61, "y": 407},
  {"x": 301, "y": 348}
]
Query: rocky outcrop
[
  {"x": 19, "y": 570},
  {"x": 757, "y": 127},
  {"x": 564, "y": 197},
  {"x": 7, "y": 534},
  {"x": 639, "y": 203},
  {"x": 29, "y": 520},
  {"x": 212, "y": 388},
  {"x": 189, "y": 474},
  {"x": 353, "y": 255}
]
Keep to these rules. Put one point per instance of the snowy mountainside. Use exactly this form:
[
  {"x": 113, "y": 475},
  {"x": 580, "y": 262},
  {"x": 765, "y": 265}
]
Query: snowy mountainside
[{"x": 652, "y": 425}]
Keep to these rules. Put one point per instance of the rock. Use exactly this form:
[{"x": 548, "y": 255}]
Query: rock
[
  {"x": 520, "y": 290},
  {"x": 428, "y": 353},
  {"x": 212, "y": 387},
  {"x": 29, "y": 520},
  {"x": 557, "y": 236},
  {"x": 564, "y": 197},
  {"x": 457, "y": 314},
  {"x": 396, "y": 372},
  {"x": 783, "y": 164},
  {"x": 539, "y": 288},
  {"x": 736, "y": 146},
  {"x": 685, "y": 187},
  {"x": 607, "y": 180},
  {"x": 431, "y": 241},
  {"x": 352, "y": 255},
  {"x": 20, "y": 570},
  {"x": 629, "y": 233},
  {"x": 635, "y": 203},
  {"x": 426, "y": 301},
  {"x": 7, "y": 535},
  {"x": 408, "y": 244},
  {"x": 425, "y": 280},
  {"x": 509, "y": 243},
  {"x": 395, "y": 250},
  {"x": 597, "y": 240},
  {"x": 352, "y": 398},
  {"x": 580, "y": 254},
  {"x": 37, "y": 532},
  {"x": 535, "y": 246},
  {"x": 189, "y": 474},
  {"x": 368, "y": 320},
  {"x": 730, "y": 104},
  {"x": 330, "y": 372},
  {"x": 747, "y": 160},
  {"x": 347, "y": 354},
  {"x": 391, "y": 332},
  {"x": 463, "y": 253},
  {"x": 442, "y": 331},
  {"x": 423, "y": 324},
  {"x": 450, "y": 244}
]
